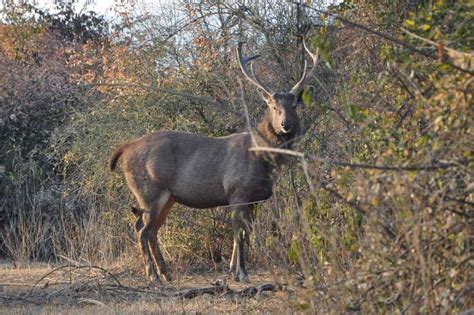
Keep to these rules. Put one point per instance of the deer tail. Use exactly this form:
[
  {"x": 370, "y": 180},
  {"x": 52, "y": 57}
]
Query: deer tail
[{"x": 115, "y": 156}]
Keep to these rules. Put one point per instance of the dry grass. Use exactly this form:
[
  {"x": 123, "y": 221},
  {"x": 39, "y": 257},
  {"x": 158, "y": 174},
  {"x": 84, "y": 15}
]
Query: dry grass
[{"x": 42, "y": 289}]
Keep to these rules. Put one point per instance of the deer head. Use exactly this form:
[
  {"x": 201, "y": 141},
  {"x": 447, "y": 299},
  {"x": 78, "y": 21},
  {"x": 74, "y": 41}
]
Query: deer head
[{"x": 281, "y": 105}]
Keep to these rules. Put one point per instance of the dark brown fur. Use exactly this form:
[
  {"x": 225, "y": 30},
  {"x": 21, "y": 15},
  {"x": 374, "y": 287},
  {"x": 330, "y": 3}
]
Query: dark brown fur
[{"x": 202, "y": 172}]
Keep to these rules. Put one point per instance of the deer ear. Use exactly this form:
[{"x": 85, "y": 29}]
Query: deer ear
[
  {"x": 266, "y": 97},
  {"x": 137, "y": 212}
]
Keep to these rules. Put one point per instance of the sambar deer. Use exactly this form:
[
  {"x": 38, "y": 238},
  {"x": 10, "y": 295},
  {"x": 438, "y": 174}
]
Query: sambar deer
[{"x": 203, "y": 172}]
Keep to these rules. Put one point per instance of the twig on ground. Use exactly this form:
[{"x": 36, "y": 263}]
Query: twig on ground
[
  {"x": 11, "y": 297},
  {"x": 224, "y": 290},
  {"x": 76, "y": 267}
]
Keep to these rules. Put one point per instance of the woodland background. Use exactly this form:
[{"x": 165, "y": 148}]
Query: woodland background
[{"x": 378, "y": 216}]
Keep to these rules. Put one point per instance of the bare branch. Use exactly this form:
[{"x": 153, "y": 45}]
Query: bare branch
[
  {"x": 387, "y": 37},
  {"x": 433, "y": 167},
  {"x": 199, "y": 98}
]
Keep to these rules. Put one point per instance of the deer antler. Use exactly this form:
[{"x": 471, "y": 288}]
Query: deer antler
[
  {"x": 243, "y": 61},
  {"x": 299, "y": 86}
]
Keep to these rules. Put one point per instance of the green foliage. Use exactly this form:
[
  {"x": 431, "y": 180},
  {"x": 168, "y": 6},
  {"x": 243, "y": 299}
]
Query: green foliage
[
  {"x": 319, "y": 41},
  {"x": 357, "y": 113},
  {"x": 293, "y": 252},
  {"x": 445, "y": 21},
  {"x": 418, "y": 112},
  {"x": 306, "y": 97}
]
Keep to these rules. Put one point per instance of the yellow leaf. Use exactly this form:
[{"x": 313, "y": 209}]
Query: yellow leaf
[
  {"x": 425, "y": 27},
  {"x": 410, "y": 23},
  {"x": 411, "y": 175}
]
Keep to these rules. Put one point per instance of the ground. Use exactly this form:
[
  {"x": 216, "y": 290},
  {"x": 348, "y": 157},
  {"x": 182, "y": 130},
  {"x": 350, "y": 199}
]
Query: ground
[{"x": 79, "y": 289}]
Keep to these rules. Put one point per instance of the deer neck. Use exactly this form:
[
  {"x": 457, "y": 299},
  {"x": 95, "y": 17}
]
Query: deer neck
[{"x": 266, "y": 136}]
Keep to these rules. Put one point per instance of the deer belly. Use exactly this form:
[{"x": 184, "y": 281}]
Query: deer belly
[
  {"x": 262, "y": 192},
  {"x": 200, "y": 195}
]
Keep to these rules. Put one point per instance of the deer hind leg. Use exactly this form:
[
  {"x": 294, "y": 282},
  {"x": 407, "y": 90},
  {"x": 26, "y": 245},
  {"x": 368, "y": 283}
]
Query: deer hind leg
[
  {"x": 153, "y": 240},
  {"x": 150, "y": 218}
]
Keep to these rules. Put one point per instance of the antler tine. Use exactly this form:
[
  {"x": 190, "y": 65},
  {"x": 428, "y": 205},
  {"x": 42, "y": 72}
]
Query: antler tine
[
  {"x": 243, "y": 61},
  {"x": 267, "y": 90},
  {"x": 299, "y": 86}
]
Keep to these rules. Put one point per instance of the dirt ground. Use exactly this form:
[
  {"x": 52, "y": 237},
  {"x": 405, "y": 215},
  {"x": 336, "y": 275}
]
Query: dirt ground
[{"x": 80, "y": 289}]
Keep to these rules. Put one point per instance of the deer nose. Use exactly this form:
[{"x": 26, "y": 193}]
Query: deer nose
[{"x": 286, "y": 126}]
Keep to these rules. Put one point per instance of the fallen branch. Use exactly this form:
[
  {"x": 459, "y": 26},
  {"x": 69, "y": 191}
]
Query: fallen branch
[
  {"x": 222, "y": 289},
  {"x": 192, "y": 293},
  {"x": 252, "y": 291},
  {"x": 105, "y": 271},
  {"x": 14, "y": 297}
]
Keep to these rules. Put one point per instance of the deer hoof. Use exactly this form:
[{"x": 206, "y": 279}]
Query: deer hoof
[
  {"x": 168, "y": 277},
  {"x": 242, "y": 277},
  {"x": 155, "y": 279}
]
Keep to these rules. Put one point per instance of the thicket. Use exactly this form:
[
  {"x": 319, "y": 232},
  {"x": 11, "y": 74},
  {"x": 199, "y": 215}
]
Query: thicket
[{"x": 377, "y": 217}]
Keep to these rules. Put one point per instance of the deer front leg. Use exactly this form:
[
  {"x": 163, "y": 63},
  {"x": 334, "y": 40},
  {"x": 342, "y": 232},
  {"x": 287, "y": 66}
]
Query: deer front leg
[
  {"x": 233, "y": 260},
  {"x": 240, "y": 225}
]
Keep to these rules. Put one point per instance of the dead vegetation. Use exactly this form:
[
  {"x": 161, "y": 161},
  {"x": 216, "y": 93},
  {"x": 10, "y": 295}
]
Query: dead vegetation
[{"x": 86, "y": 287}]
